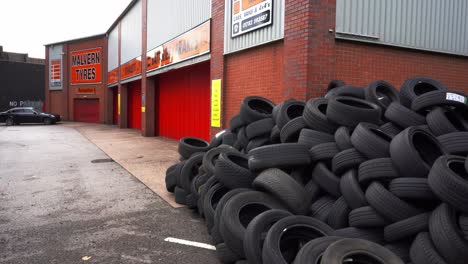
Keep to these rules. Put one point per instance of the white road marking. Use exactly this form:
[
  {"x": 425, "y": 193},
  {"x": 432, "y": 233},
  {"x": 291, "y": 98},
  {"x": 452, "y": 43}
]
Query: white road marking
[{"x": 189, "y": 243}]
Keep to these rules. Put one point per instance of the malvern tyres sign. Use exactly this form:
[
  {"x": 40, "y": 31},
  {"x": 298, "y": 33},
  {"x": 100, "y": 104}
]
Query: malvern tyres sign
[{"x": 86, "y": 66}]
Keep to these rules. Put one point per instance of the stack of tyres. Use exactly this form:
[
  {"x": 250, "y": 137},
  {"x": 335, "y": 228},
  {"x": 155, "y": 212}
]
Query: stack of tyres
[{"x": 369, "y": 169}]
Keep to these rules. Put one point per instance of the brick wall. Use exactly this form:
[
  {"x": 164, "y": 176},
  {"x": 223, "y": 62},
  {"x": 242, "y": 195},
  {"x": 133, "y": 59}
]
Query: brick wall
[
  {"x": 360, "y": 63},
  {"x": 256, "y": 71},
  {"x": 217, "y": 50}
]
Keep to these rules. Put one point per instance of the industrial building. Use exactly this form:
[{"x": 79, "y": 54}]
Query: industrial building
[
  {"x": 15, "y": 89},
  {"x": 181, "y": 68}
]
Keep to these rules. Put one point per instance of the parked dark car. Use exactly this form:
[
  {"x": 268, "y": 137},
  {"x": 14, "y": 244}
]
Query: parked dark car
[{"x": 22, "y": 115}]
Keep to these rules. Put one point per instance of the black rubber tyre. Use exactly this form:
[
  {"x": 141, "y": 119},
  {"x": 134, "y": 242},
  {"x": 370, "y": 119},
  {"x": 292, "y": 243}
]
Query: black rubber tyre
[
  {"x": 254, "y": 108},
  {"x": 257, "y": 228},
  {"x": 347, "y": 90},
  {"x": 180, "y": 195},
  {"x": 448, "y": 180},
  {"x": 232, "y": 169},
  {"x": 295, "y": 230},
  {"x": 259, "y": 128},
  {"x": 401, "y": 249},
  {"x": 288, "y": 111},
  {"x": 377, "y": 170},
  {"x": 237, "y": 214},
  {"x": 190, "y": 145},
  {"x": 323, "y": 152},
  {"x": 455, "y": 143},
  {"x": 343, "y": 138},
  {"x": 382, "y": 94},
  {"x": 256, "y": 143},
  {"x": 290, "y": 131},
  {"x": 442, "y": 121},
  {"x": 189, "y": 170},
  {"x": 315, "y": 116},
  {"x": 229, "y": 138},
  {"x": 366, "y": 217},
  {"x": 242, "y": 141},
  {"x": 215, "y": 232},
  {"x": 198, "y": 181},
  {"x": 413, "y": 152},
  {"x": 346, "y": 160},
  {"x": 313, "y": 191},
  {"x": 210, "y": 157},
  {"x": 313, "y": 250},
  {"x": 371, "y": 234},
  {"x": 360, "y": 251},
  {"x": 446, "y": 235},
  {"x": 371, "y": 141},
  {"x": 388, "y": 205},
  {"x": 225, "y": 254},
  {"x": 275, "y": 136},
  {"x": 210, "y": 202},
  {"x": 171, "y": 177},
  {"x": 311, "y": 138},
  {"x": 47, "y": 121},
  {"x": 466, "y": 164},
  {"x": 440, "y": 98},
  {"x": 352, "y": 191},
  {"x": 191, "y": 200},
  {"x": 411, "y": 188},
  {"x": 326, "y": 179},
  {"x": 463, "y": 223},
  {"x": 390, "y": 129},
  {"x": 417, "y": 86},
  {"x": 9, "y": 122},
  {"x": 235, "y": 123},
  {"x": 279, "y": 155},
  {"x": 350, "y": 111},
  {"x": 407, "y": 228},
  {"x": 423, "y": 251},
  {"x": 403, "y": 117},
  {"x": 283, "y": 187},
  {"x": 274, "y": 113},
  {"x": 338, "y": 215},
  {"x": 204, "y": 188},
  {"x": 321, "y": 208},
  {"x": 335, "y": 84}
]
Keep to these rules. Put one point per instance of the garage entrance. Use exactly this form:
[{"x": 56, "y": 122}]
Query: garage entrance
[
  {"x": 134, "y": 105},
  {"x": 86, "y": 110},
  {"x": 183, "y": 102}
]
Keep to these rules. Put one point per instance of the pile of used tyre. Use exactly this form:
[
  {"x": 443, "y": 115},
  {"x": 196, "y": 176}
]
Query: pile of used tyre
[{"x": 363, "y": 175}]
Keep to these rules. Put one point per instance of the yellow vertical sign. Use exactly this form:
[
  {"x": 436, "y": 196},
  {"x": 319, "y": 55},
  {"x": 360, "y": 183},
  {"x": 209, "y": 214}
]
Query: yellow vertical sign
[
  {"x": 118, "y": 104},
  {"x": 216, "y": 103}
]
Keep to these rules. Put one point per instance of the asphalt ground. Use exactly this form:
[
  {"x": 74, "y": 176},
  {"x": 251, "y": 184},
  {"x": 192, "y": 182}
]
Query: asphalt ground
[{"x": 57, "y": 206}]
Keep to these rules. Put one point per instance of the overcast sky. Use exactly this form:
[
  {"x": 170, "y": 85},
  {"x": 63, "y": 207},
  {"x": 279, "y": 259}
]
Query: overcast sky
[{"x": 26, "y": 25}]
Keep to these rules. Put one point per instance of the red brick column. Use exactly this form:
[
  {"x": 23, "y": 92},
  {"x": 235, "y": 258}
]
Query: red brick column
[
  {"x": 123, "y": 116},
  {"x": 321, "y": 46},
  {"x": 296, "y": 41},
  {"x": 217, "y": 50},
  {"x": 147, "y": 85},
  {"x": 309, "y": 47}
]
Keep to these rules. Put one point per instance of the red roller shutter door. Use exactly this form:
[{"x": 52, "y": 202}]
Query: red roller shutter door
[
  {"x": 183, "y": 103},
  {"x": 86, "y": 110},
  {"x": 134, "y": 105}
]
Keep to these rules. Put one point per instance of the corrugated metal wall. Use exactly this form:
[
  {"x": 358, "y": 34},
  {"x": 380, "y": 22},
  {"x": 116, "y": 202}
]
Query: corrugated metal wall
[
  {"x": 113, "y": 49},
  {"x": 436, "y": 25},
  {"x": 55, "y": 53},
  {"x": 168, "y": 19},
  {"x": 131, "y": 34},
  {"x": 257, "y": 37}
]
